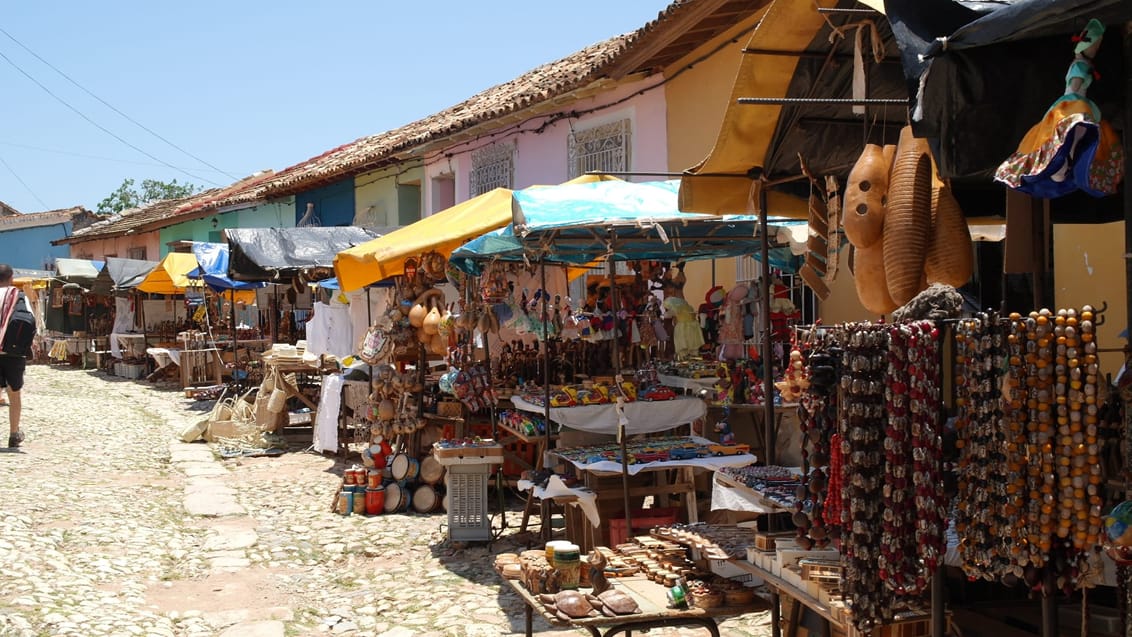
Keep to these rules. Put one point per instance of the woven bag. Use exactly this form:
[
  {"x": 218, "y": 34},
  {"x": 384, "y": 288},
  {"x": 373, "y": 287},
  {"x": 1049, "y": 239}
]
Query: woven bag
[
  {"x": 907, "y": 224},
  {"x": 950, "y": 259},
  {"x": 865, "y": 198},
  {"x": 869, "y": 278}
]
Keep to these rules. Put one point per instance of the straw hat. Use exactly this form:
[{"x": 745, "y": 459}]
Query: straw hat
[
  {"x": 950, "y": 259},
  {"x": 869, "y": 277},
  {"x": 907, "y": 224},
  {"x": 865, "y": 197}
]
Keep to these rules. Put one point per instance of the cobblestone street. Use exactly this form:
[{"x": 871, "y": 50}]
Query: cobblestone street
[{"x": 111, "y": 528}]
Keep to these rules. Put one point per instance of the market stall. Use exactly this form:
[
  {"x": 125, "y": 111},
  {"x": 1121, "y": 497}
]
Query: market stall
[{"x": 73, "y": 314}]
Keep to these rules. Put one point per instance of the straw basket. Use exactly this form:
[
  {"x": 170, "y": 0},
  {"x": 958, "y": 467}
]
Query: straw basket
[
  {"x": 869, "y": 277},
  {"x": 907, "y": 224},
  {"x": 950, "y": 257},
  {"x": 865, "y": 198}
]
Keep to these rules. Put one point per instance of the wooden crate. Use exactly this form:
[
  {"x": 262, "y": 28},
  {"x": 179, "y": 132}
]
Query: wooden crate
[
  {"x": 765, "y": 541},
  {"x": 201, "y": 367}
]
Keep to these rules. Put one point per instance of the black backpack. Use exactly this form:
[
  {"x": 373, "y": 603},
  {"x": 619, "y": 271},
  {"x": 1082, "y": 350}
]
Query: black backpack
[{"x": 20, "y": 333}]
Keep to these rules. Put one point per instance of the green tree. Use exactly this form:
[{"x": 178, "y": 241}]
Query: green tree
[{"x": 128, "y": 196}]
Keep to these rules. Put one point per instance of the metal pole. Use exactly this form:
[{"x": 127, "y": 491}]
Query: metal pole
[
  {"x": 545, "y": 528},
  {"x": 783, "y": 101},
  {"x": 1049, "y": 605},
  {"x": 1127, "y": 40},
  {"x": 232, "y": 314},
  {"x": 616, "y": 358},
  {"x": 768, "y": 367}
]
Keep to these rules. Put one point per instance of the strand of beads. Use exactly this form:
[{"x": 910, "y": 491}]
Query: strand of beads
[
  {"x": 898, "y": 566},
  {"x": 1023, "y": 505},
  {"x": 834, "y": 504},
  {"x": 975, "y": 428},
  {"x": 1041, "y": 384},
  {"x": 1063, "y": 346},
  {"x": 818, "y": 420},
  {"x": 1087, "y": 476},
  {"x": 861, "y": 425},
  {"x": 927, "y": 448}
]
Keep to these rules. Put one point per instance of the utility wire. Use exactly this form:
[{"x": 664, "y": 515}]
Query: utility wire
[
  {"x": 111, "y": 106},
  {"x": 85, "y": 156},
  {"x": 24, "y": 183},
  {"x": 99, "y": 126}
]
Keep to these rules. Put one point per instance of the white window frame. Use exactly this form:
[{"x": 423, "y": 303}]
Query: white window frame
[{"x": 492, "y": 167}]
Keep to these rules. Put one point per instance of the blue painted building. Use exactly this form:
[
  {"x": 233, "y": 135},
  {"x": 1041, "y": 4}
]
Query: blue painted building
[
  {"x": 26, "y": 239},
  {"x": 333, "y": 204}
]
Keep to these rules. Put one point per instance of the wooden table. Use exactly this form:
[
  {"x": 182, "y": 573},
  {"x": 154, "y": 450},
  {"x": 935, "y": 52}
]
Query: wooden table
[
  {"x": 779, "y": 587},
  {"x": 539, "y": 441},
  {"x": 649, "y": 595}
]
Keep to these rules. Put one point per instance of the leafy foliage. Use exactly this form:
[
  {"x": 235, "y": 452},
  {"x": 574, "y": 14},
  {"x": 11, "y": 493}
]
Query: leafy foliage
[{"x": 128, "y": 196}]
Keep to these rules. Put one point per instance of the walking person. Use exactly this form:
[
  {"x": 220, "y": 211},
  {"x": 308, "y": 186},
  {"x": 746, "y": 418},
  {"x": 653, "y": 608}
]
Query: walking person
[{"x": 11, "y": 364}]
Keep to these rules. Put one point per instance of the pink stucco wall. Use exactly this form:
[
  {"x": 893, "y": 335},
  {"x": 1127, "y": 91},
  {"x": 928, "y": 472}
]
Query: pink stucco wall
[
  {"x": 541, "y": 156},
  {"x": 119, "y": 246}
]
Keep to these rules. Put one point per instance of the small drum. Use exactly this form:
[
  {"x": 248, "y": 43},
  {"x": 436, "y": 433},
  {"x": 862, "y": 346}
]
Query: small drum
[
  {"x": 432, "y": 472},
  {"x": 425, "y": 499},
  {"x": 396, "y": 498},
  {"x": 404, "y": 468}
]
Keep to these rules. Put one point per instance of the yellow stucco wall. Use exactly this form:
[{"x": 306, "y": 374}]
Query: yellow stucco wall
[
  {"x": 1089, "y": 269},
  {"x": 696, "y": 100}
]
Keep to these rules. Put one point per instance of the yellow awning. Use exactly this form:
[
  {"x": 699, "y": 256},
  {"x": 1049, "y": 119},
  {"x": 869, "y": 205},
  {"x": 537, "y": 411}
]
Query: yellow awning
[
  {"x": 441, "y": 232},
  {"x": 171, "y": 275},
  {"x": 719, "y": 184}
]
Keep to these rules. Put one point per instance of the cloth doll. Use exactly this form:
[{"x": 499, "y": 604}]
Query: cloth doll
[
  {"x": 731, "y": 324},
  {"x": 1072, "y": 147},
  {"x": 687, "y": 337},
  {"x": 709, "y": 312}
]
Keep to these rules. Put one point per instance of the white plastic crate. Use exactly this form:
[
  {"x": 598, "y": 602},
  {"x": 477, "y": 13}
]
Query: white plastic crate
[{"x": 467, "y": 502}]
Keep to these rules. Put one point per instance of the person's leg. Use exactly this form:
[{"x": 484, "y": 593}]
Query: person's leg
[{"x": 14, "y": 407}]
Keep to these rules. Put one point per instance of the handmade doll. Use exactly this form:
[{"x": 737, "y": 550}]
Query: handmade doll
[
  {"x": 1072, "y": 147},
  {"x": 709, "y": 312},
  {"x": 731, "y": 324},
  {"x": 687, "y": 337}
]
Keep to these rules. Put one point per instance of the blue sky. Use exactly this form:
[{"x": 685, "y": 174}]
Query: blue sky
[{"x": 252, "y": 85}]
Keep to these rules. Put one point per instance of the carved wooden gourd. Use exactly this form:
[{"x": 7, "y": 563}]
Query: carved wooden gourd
[
  {"x": 866, "y": 196},
  {"x": 950, "y": 259},
  {"x": 907, "y": 224},
  {"x": 869, "y": 278}
]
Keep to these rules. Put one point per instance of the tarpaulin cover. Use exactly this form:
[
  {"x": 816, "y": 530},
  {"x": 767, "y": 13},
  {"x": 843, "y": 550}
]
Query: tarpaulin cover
[
  {"x": 272, "y": 254},
  {"x": 212, "y": 259},
  {"x": 441, "y": 232},
  {"x": 171, "y": 276},
  {"x": 81, "y": 271},
  {"x": 628, "y": 221},
  {"x": 988, "y": 77},
  {"x": 121, "y": 274},
  {"x": 790, "y": 55}
]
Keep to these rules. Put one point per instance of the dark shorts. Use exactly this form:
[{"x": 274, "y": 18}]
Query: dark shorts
[{"x": 12, "y": 372}]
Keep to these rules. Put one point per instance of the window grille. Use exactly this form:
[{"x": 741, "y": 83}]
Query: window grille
[
  {"x": 136, "y": 253},
  {"x": 602, "y": 149},
  {"x": 492, "y": 167}
]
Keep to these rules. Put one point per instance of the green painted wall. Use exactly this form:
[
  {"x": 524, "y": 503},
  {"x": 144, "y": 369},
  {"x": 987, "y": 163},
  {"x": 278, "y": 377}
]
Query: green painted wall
[
  {"x": 388, "y": 197},
  {"x": 276, "y": 214}
]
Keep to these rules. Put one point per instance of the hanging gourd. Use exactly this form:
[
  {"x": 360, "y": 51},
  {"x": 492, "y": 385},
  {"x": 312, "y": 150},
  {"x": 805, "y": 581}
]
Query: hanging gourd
[
  {"x": 865, "y": 198},
  {"x": 907, "y": 223},
  {"x": 869, "y": 278},
  {"x": 950, "y": 259}
]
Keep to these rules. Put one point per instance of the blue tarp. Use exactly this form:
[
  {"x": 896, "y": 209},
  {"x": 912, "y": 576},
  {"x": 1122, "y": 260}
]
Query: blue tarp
[
  {"x": 576, "y": 224},
  {"x": 213, "y": 268}
]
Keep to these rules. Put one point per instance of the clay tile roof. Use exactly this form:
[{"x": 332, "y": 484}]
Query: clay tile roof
[
  {"x": 36, "y": 219},
  {"x": 132, "y": 219},
  {"x": 539, "y": 85}
]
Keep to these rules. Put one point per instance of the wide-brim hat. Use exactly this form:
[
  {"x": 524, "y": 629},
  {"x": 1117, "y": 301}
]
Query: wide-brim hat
[{"x": 1093, "y": 31}]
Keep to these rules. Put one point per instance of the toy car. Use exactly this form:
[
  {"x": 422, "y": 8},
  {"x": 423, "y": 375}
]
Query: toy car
[
  {"x": 685, "y": 453},
  {"x": 729, "y": 450},
  {"x": 657, "y": 392}
]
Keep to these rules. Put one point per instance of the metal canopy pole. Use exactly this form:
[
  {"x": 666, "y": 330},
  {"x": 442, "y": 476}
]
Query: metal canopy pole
[
  {"x": 616, "y": 359},
  {"x": 769, "y": 434},
  {"x": 872, "y": 101}
]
